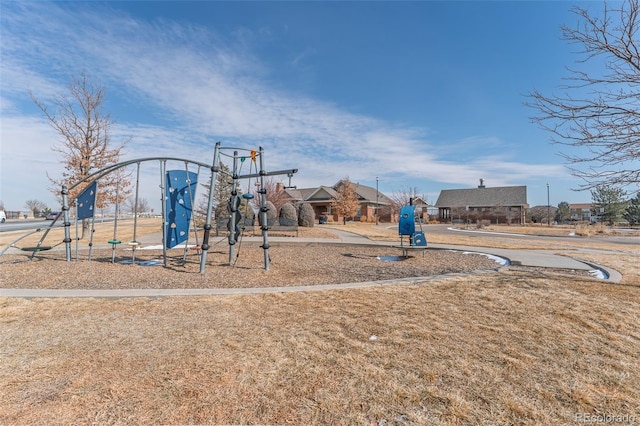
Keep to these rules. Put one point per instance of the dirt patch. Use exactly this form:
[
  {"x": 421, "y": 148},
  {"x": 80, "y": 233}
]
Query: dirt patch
[{"x": 290, "y": 265}]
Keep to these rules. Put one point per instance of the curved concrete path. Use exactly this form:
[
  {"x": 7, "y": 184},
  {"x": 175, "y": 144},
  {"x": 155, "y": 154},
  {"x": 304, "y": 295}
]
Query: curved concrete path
[{"x": 530, "y": 258}]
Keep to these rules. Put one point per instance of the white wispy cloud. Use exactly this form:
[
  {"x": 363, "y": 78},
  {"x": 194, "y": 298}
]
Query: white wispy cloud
[{"x": 202, "y": 87}]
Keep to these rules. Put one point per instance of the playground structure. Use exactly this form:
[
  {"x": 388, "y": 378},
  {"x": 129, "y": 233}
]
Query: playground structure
[
  {"x": 407, "y": 228},
  {"x": 178, "y": 196}
]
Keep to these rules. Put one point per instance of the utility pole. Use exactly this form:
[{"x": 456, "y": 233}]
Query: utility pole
[
  {"x": 548, "y": 207},
  {"x": 377, "y": 180}
]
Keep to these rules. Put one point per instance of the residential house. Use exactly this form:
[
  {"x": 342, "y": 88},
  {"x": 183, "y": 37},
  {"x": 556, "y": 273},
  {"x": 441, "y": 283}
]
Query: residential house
[
  {"x": 580, "y": 212},
  {"x": 422, "y": 208},
  {"x": 321, "y": 198},
  {"x": 506, "y": 204}
]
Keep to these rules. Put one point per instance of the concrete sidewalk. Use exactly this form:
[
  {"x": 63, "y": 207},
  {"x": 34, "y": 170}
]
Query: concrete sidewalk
[{"x": 532, "y": 258}]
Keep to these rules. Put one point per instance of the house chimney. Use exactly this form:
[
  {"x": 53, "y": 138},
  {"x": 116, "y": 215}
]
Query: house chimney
[
  {"x": 279, "y": 187},
  {"x": 481, "y": 183}
]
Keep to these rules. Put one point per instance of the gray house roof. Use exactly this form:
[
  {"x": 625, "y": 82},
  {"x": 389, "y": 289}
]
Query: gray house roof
[
  {"x": 367, "y": 193},
  {"x": 321, "y": 193},
  {"x": 328, "y": 193},
  {"x": 483, "y": 197}
]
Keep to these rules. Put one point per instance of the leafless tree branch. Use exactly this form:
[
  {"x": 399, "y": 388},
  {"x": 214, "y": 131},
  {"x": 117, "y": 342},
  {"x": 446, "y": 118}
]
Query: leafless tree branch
[
  {"x": 599, "y": 115},
  {"x": 85, "y": 145}
]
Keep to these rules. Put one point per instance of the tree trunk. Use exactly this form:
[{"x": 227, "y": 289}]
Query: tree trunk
[{"x": 85, "y": 228}]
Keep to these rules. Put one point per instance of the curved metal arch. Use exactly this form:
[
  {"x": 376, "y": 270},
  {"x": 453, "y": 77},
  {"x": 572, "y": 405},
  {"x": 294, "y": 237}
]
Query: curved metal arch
[
  {"x": 109, "y": 169},
  {"x": 215, "y": 169},
  {"x": 105, "y": 171}
]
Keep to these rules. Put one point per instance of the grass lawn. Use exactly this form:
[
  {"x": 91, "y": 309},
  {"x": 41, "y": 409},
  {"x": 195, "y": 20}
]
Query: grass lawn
[{"x": 493, "y": 348}]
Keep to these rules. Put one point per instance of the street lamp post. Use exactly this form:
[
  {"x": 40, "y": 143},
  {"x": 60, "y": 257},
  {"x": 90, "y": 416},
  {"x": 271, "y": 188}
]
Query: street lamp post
[
  {"x": 466, "y": 225},
  {"x": 376, "y": 212},
  {"x": 548, "y": 207}
]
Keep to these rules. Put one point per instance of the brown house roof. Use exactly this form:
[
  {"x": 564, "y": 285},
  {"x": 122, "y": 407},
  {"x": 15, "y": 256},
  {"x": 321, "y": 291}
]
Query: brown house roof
[{"x": 483, "y": 197}]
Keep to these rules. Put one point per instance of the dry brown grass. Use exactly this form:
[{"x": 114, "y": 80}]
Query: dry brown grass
[
  {"x": 390, "y": 233},
  {"x": 103, "y": 233},
  {"x": 581, "y": 229},
  {"x": 499, "y": 348},
  {"x": 627, "y": 263}
]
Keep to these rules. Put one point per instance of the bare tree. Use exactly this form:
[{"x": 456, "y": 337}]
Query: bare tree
[
  {"x": 459, "y": 213},
  {"x": 402, "y": 198},
  {"x": 540, "y": 214},
  {"x": 86, "y": 141},
  {"x": 599, "y": 112},
  {"x": 275, "y": 193},
  {"x": 35, "y": 206},
  {"x": 142, "y": 205}
]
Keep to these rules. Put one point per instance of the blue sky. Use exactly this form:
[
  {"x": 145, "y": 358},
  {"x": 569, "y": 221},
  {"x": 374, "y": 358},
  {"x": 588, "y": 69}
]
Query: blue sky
[{"x": 425, "y": 95}]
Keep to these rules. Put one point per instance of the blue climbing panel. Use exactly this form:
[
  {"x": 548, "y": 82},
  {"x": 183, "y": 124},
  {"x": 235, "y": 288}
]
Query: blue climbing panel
[
  {"x": 180, "y": 190},
  {"x": 407, "y": 225},
  {"x": 419, "y": 239},
  {"x": 86, "y": 201}
]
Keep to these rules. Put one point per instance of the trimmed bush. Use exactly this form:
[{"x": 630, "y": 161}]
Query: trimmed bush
[
  {"x": 248, "y": 216},
  {"x": 272, "y": 215},
  {"x": 306, "y": 215},
  {"x": 288, "y": 215}
]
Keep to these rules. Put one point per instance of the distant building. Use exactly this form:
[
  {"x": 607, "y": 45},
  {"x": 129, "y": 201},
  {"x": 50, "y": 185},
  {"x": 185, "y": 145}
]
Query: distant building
[
  {"x": 321, "y": 197},
  {"x": 422, "y": 209},
  {"x": 580, "y": 211},
  {"x": 542, "y": 213},
  {"x": 505, "y": 204}
]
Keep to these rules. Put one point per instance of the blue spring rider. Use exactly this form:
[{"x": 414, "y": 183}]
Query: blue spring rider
[{"x": 407, "y": 227}]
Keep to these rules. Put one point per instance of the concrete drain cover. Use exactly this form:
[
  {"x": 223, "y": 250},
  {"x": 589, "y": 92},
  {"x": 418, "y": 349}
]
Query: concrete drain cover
[{"x": 391, "y": 258}]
